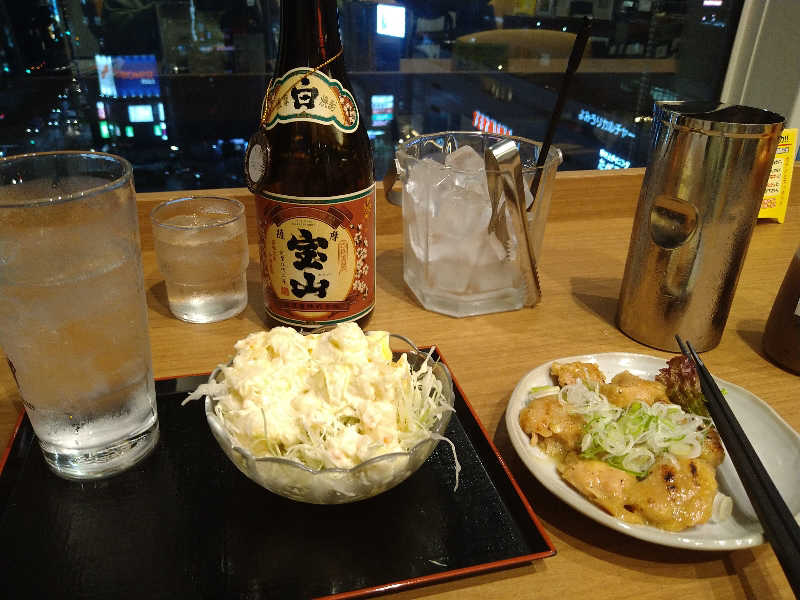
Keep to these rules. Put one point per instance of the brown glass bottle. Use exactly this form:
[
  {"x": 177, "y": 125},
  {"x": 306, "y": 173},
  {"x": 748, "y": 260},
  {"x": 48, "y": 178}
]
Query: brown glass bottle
[
  {"x": 782, "y": 332},
  {"x": 313, "y": 179}
]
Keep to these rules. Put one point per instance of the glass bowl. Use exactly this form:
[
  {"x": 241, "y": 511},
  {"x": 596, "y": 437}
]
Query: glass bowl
[{"x": 294, "y": 480}]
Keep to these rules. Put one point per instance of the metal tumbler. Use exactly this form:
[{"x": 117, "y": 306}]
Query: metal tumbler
[{"x": 699, "y": 202}]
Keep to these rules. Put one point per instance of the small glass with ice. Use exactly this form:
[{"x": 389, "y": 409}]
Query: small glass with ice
[
  {"x": 201, "y": 247},
  {"x": 453, "y": 260}
]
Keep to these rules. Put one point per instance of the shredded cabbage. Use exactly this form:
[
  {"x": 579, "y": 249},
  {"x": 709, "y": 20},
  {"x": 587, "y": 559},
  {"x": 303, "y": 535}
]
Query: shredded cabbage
[
  {"x": 633, "y": 438},
  {"x": 328, "y": 400}
]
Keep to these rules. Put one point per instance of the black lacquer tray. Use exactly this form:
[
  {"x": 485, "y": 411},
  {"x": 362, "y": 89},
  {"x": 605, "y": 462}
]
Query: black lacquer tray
[{"x": 186, "y": 524}]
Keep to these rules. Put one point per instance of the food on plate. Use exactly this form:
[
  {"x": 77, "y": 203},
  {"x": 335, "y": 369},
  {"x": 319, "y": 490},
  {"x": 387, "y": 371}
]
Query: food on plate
[
  {"x": 683, "y": 385},
  {"x": 327, "y": 400},
  {"x": 627, "y": 446}
]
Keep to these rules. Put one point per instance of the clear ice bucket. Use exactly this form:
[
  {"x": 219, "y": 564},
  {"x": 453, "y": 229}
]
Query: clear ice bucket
[{"x": 462, "y": 253}]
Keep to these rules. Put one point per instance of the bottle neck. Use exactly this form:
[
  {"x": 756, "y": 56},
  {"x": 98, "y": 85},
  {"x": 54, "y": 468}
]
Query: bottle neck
[{"x": 309, "y": 34}]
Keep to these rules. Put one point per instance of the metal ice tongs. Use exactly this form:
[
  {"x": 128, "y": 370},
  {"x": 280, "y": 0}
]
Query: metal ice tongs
[{"x": 504, "y": 177}]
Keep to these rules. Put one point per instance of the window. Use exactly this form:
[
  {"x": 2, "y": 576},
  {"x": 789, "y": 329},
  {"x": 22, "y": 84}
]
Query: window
[{"x": 175, "y": 86}]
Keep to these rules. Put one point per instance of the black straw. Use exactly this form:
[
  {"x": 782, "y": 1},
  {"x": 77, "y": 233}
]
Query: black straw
[{"x": 572, "y": 65}]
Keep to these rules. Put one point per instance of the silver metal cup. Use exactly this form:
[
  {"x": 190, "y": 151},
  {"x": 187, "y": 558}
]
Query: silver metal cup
[{"x": 699, "y": 202}]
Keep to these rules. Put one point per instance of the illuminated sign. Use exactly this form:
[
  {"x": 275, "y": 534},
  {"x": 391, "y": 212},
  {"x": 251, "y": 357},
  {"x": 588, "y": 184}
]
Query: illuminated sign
[
  {"x": 609, "y": 160},
  {"x": 605, "y": 124},
  {"x": 105, "y": 74},
  {"x": 482, "y": 122},
  {"x": 391, "y": 20},
  {"x": 140, "y": 113},
  {"x": 382, "y": 110},
  {"x": 104, "y": 132},
  {"x": 128, "y": 76}
]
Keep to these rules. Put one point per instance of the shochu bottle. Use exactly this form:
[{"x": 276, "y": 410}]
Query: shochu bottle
[{"x": 310, "y": 168}]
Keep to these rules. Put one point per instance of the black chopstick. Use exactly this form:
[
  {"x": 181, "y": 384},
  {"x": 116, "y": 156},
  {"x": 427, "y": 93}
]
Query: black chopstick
[{"x": 779, "y": 524}]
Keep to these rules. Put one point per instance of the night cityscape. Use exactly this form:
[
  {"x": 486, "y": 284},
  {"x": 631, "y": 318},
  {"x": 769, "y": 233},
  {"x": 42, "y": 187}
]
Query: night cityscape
[{"x": 176, "y": 86}]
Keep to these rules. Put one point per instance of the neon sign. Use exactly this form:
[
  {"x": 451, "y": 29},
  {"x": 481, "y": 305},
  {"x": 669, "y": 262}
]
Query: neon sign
[
  {"x": 382, "y": 109},
  {"x": 485, "y": 123},
  {"x": 609, "y": 160},
  {"x": 605, "y": 124}
]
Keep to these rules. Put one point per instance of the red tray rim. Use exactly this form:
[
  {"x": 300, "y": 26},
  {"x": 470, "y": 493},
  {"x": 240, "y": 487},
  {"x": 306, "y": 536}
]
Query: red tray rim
[{"x": 413, "y": 582}]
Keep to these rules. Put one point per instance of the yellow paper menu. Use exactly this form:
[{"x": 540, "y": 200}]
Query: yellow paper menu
[{"x": 776, "y": 196}]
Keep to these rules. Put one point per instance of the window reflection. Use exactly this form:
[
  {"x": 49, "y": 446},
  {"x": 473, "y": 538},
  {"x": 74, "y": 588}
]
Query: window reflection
[{"x": 175, "y": 86}]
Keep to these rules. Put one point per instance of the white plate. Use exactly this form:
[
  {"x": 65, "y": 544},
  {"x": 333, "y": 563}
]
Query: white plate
[{"x": 777, "y": 444}]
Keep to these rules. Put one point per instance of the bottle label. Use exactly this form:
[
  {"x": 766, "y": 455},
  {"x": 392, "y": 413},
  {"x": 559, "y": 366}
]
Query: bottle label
[
  {"x": 317, "y": 256},
  {"x": 303, "y": 94}
]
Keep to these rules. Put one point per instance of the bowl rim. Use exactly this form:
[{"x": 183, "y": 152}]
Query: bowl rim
[{"x": 440, "y": 426}]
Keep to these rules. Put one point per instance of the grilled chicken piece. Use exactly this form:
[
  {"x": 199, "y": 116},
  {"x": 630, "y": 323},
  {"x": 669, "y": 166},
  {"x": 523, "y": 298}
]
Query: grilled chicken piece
[
  {"x": 602, "y": 484},
  {"x": 675, "y": 496},
  {"x": 547, "y": 421},
  {"x": 626, "y": 388},
  {"x": 570, "y": 373},
  {"x": 712, "y": 451},
  {"x": 672, "y": 497}
]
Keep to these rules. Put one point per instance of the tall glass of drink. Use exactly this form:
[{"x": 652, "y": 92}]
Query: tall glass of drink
[
  {"x": 73, "y": 316},
  {"x": 201, "y": 246}
]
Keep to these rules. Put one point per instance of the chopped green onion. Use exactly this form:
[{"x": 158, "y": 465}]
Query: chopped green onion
[
  {"x": 540, "y": 391},
  {"x": 633, "y": 438}
]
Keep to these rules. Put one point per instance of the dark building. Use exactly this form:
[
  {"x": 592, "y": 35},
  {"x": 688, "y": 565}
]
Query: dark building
[{"x": 176, "y": 86}]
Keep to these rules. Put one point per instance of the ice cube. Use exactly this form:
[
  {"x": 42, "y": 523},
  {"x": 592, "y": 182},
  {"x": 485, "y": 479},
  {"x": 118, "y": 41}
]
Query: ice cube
[
  {"x": 466, "y": 158},
  {"x": 423, "y": 177},
  {"x": 492, "y": 271},
  {"x": 459, "y": 211},
  {"x": 469, "y": 169},
  {"x": 495, "y": 264},
  {"x": 456, "y": 233},
  {"x": 446, "y": 212},
  {"x": 448, "y": 274}
]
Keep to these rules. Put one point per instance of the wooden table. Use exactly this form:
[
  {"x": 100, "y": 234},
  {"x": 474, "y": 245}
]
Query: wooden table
[{"x": 581, "y": 270}]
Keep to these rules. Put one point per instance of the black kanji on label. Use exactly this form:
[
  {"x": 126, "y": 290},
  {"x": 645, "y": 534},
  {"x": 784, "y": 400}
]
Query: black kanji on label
[
  {"x": 306, "y": 250},
  {"x": 304, "y": 96},
  {"x": 300, "y": 290}
]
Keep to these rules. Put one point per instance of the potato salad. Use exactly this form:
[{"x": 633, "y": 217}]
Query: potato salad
[{"x": 333, "y": 399}]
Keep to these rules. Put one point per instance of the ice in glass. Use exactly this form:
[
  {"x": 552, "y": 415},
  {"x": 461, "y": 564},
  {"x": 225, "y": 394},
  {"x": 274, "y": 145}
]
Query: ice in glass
[
  {"x": 452, "y": 261},
  {"x": 201, "y": 247},
  {"x": 73, "y": 316}
]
